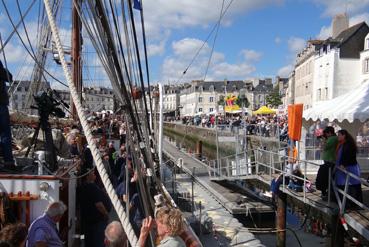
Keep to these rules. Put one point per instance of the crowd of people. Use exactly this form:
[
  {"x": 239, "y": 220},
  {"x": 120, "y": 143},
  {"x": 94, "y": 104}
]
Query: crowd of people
[
  {"x": 93, "y": 204},
  {"x": 43, "y": 231},
  {"x": 263, "y": 125}
]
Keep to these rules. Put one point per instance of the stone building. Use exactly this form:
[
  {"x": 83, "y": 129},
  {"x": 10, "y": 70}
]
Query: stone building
[{"x": 304, "y": 73}]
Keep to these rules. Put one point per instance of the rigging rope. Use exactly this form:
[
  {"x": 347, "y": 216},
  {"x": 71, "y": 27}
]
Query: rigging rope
[
  {"x": 95, "y": 152},
  {"x": 207, "y": 38}
]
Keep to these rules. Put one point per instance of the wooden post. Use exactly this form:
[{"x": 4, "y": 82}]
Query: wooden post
[
  {"x": 281, "y": 219},
  {"x": 76, "y": 56},
  {"x": 199, "y": 149},
  {"x": 337, "y": 237}
]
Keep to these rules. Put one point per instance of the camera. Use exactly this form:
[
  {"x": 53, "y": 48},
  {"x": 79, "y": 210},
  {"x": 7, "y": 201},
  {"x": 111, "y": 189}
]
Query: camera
[{"x": 47, "y": 105}]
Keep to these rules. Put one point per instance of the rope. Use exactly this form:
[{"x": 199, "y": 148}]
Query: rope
[{"x": 95, "y": 152}]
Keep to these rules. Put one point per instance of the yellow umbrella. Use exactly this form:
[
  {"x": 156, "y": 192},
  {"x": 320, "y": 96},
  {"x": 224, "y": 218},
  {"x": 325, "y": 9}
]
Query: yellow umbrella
[{"x": 264, "y": 110}]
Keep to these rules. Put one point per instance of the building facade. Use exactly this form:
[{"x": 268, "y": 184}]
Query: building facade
[
  {"x": 98, "y": 98},
  {"x": 337, "y": 67},
  {"x": 202, "y": 97},
  {"x": 304, "y": 73},
  {"x": 19, "y": 91},
  {"x": 261, "y": 89}
]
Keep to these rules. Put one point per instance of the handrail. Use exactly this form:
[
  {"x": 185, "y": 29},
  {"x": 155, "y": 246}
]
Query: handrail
[
  {"x": 258, "y": 153},
  {"x": 344, "y": 193}
]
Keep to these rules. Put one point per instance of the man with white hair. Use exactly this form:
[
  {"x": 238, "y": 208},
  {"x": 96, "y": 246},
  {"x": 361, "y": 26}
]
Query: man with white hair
[
  {"x": 115, "y": 235},
  {"x": 43, "y": 231}
]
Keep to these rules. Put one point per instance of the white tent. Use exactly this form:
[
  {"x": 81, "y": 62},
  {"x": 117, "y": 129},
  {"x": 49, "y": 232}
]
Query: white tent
[
  {"x": 351, "y": 106},
  {"x": 350, "y": 109}
]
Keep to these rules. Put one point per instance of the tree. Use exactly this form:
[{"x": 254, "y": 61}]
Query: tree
[
  {"x": 221, "y": 100},
  {"x": 274, "y": 99},
  {"x": 242, "y": 101}
]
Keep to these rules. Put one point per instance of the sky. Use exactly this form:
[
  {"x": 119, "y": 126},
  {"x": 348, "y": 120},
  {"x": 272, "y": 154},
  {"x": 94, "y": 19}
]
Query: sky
[{"x": 255, "y": 38}]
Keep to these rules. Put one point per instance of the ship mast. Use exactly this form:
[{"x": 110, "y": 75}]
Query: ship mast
[{"x": 76, "y": 55}]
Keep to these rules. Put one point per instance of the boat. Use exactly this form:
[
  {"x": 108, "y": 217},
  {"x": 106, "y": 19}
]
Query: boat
[{"x": 42, "y": 174}]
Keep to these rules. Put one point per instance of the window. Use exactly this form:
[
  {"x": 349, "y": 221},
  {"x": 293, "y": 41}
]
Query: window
[
  {"x": 200, "y": 99},
  {"x": 15, "y": 97},
  {"x": 367, "y": 43},
  {"x": 211, "y": 109},
  {"x": 200, "y": 109},
  {"x": 366, "y": 65},
  {"x": 211, "y": 99},
  {"x": 19, "y": 89},
  {"x": 23, "y": 97},
  {"x": 326, "y": 93}
]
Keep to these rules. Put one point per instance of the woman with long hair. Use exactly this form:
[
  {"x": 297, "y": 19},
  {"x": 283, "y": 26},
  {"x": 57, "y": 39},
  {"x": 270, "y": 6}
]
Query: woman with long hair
[
  {"x": 346, "y": 160},
  {"x": 169, "y": 225}
]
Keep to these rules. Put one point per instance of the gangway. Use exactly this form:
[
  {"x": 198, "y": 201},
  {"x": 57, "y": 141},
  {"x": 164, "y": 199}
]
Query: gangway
[{"x": 264, "y": 166}]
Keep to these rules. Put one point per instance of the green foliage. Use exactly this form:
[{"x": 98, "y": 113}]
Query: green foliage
[
  {"x": 221, "y": 100},
  {"x": 274, "y": 99},
  {"x": 242, "y": 101}
]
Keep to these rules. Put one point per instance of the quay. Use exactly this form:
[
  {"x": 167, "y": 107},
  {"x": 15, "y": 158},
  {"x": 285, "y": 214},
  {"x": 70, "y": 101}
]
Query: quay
[{"x": 263, "y": 166}]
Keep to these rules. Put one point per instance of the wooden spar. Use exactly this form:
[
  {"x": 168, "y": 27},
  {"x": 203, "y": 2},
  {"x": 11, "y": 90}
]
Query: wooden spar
[
  {"x": 281, "y": 219},
  {"x": 76, "y": 55}
]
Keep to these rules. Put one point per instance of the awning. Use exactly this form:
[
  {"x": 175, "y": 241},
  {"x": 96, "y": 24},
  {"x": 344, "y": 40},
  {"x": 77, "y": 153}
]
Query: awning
[
  {"x": 264, "y": 110},
  {"x": 351, "y": 106}
]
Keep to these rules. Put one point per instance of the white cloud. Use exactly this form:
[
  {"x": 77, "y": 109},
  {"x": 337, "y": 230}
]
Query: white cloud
[
  {"x": 185, "y": 49},
  {"x": 333, "y": 7},
  {"x": 251, "y": 55},
  {"x": 232, "y": 71},
  {"x": 296, "y": 44},
  {"x": 277, "y": 40},
  {"x": 156, "y": 49},
  {"x": 285, "y": 71},
  {"x": 326, "y": 31},
  {"x": 180, "y": 14},
  {"x": 359, "y": 18}
]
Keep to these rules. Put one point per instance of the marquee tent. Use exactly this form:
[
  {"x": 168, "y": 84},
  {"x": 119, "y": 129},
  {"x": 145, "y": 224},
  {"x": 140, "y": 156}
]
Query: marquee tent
[
  {"x": 349, "y": 110},
  {"x": 351, "y": 106},
  {"x": 264, "y": 110}
]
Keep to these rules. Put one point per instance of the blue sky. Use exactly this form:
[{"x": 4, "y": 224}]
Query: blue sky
[{"x": 255, "y": 39}]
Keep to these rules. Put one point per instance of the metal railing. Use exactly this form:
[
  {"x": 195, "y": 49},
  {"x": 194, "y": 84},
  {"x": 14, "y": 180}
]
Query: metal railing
[
  {"x": 254, "y": 163},
  {"x": 345, "y": 193}
]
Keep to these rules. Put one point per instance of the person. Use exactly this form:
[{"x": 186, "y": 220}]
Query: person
[
  {"x": 330, "y": 142},
  {"x": 5, "y": 132},
  {"x": 346, "y": 160},
  {"x": 95, "y": 206},
  {"x": 43, "y": 230},
  {"x": 115, "y": 235},
  {"x": 169, "y": 224},
  {"x": 4, "y": 244},
  {"x": 14, "y": 234}
]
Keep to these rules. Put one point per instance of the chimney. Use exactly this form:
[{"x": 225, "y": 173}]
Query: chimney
[{"x": 339, "y": 23}]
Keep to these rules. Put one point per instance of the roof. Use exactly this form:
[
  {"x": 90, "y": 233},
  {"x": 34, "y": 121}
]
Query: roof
[
  {"x": 217, "y": 86},
  {"x": 348, "y": 33},
  {"x": 353, "y": 105}
]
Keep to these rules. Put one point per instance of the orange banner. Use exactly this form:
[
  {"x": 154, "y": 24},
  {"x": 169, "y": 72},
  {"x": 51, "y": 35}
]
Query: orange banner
[{"x": 295, "y": 121}]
